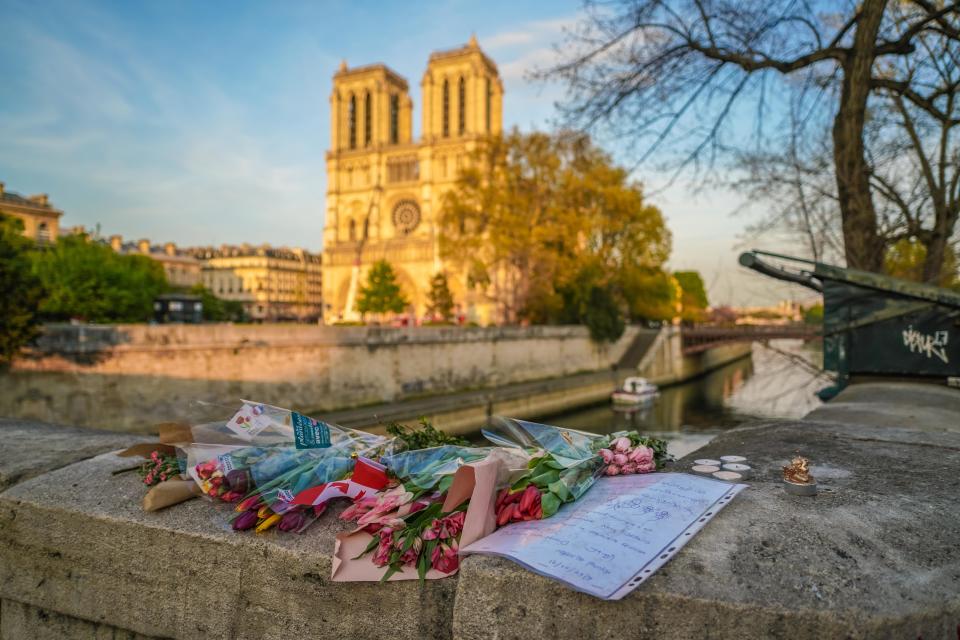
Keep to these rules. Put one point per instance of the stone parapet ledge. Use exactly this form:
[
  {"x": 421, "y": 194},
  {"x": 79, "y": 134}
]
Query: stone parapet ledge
[
  {"x": 76, "y": 542},
  {"x": 874, "y": 555},
  {"x": 30, "y": 448}
]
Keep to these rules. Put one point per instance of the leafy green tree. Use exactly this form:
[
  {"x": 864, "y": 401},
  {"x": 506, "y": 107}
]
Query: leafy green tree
[
  {"x": 439, "y": 299},
  {"x": 20, "y": 290},
  {"x": 538, "y": 220},
  {"x": 381, "y": 293},
  {"x": 217, "y": 309},
  {"x": 813, "y": 314},
  {"x": 693, "y": 296},
  {"x": 906, "y": 259},
  {"x": 650, "y": 295},
  {"x": 90, "y": 281},
  {"x": 587, "y": 300}
]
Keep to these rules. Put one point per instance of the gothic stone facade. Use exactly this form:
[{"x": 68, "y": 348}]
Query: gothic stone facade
[{"x": 385, "y": 189}]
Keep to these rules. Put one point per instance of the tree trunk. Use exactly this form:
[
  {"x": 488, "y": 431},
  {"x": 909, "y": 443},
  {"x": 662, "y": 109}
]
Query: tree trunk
[
  {"x": 937, "y": 245},
  {"x": 863, "y": 246}
]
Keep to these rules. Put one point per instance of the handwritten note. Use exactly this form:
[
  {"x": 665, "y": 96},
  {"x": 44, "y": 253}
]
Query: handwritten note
[{"x": 613, "y": 538}]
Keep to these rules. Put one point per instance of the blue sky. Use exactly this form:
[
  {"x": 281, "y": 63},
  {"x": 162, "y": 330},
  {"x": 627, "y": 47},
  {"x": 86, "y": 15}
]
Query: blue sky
[{"x": 206, "y": 122}]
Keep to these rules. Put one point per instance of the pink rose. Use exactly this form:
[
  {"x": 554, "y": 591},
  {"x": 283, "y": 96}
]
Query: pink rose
[
  {"x": 622, "y": 444},
  {"x": 620, "y": 459},
  {"x": 646, "y": 467},
  {"x": 629, "y": 468},
  {"x": 613, "y": 470},
  {"x": 607, "y": 455},
  {"x": 641, "y": 455}
]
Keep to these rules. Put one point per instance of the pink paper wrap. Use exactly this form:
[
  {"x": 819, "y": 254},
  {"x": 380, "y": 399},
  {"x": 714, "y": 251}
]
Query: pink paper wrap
[{"x": 476, "y": 482}]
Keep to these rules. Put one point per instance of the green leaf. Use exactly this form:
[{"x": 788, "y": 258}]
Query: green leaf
[
  {"x": 407, "y": 543},
  {"x": 422, "y": 566},
  {"x": 544, "y": 479},
  {"x": 549, "y": 502},
  {"x": 520, "y": 484},
  {"x": 445, "y": 483},
  {"x": 374, "y": 543},
  {"x": 389, "y": 572},
  {"x": 559, "y": 489}
]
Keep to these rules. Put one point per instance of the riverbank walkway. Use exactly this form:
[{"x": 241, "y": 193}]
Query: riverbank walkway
[{"x": 874, "y": 555}]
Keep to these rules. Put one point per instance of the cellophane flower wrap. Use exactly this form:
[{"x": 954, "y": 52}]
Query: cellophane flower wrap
[
  {"x": 431, "y": 469},
  {"x": 407, "y": 521},
  {"x": 240, "y": 461},
  {"x": 627, "y": 452},
  {"x": 271, "y": 502},
  {"x": 563, "y": 465}
]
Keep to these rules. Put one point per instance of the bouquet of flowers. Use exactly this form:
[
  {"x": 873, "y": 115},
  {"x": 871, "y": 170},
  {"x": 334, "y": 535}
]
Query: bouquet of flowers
[
  {"x": 627, "y": 452},
  {"x": 229, "y": 472},
  {"x": 563, "y": 466},
  {"x": 409, "y": 525},
  {"x": 161, "y": 466},
  {"x": 272, "y": 503}
]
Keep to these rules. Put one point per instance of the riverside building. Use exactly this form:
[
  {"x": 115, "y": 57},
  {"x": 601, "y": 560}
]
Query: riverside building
[
  {"x": 41, "y": 221},
  {"x": 275, "y": 284}
]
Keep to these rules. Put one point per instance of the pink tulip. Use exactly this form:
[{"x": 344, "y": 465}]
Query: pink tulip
[
  {"x": 621, "y": 444},
  {"x": 613, "y": 470},
  {"x": 607, "y": 455},
  {"x": 620, "y": 459}
]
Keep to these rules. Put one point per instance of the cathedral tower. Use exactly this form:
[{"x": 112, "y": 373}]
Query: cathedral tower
[{"x": 385, "y": 190}]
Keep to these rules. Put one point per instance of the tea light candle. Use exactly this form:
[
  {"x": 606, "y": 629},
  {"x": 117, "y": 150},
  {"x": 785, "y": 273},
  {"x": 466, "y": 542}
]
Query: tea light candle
[
  {"x": 708, "y": 461},
  {"x": 705, "y": 469},
  {"x": 742, "y": 469},
  {"x": 728, "y": 476},
  {"x": 732, "y": 459}
]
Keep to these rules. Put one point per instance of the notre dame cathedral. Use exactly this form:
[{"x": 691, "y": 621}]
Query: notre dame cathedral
[{"x": 384, "y": 189}]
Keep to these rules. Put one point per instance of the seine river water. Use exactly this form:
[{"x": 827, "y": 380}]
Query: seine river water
[{"x": 776, "y": 381}]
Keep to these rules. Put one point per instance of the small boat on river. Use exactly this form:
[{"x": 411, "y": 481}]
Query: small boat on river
[{"x": 634, "y": 391}]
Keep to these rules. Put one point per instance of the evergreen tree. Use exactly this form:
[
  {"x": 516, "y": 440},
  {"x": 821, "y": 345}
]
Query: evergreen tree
[
  {"x": 20, "y": 290},
  {"x": 382, "y": 292},
  {"x": 440, "y": 300}
]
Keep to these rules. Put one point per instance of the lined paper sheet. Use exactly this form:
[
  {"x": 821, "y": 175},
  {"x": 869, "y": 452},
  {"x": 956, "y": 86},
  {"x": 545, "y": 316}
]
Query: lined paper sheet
[{"x": 614, "y": 537}]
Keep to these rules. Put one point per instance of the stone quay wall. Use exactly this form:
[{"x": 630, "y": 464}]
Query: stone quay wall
[
  {"x": 873, "y": 556},
  {"x": 129, "y": 377}
]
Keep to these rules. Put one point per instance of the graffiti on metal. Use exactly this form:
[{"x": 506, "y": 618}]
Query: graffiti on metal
[{"x": 931, "y": 344}]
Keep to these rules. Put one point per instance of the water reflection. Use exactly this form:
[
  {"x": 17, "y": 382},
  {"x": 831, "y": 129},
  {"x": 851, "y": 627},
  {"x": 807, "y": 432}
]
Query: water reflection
[{"x": 776, "y": 381}]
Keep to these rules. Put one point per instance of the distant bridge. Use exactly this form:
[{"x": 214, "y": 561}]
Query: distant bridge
[{"x": 698, "y": 339}]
